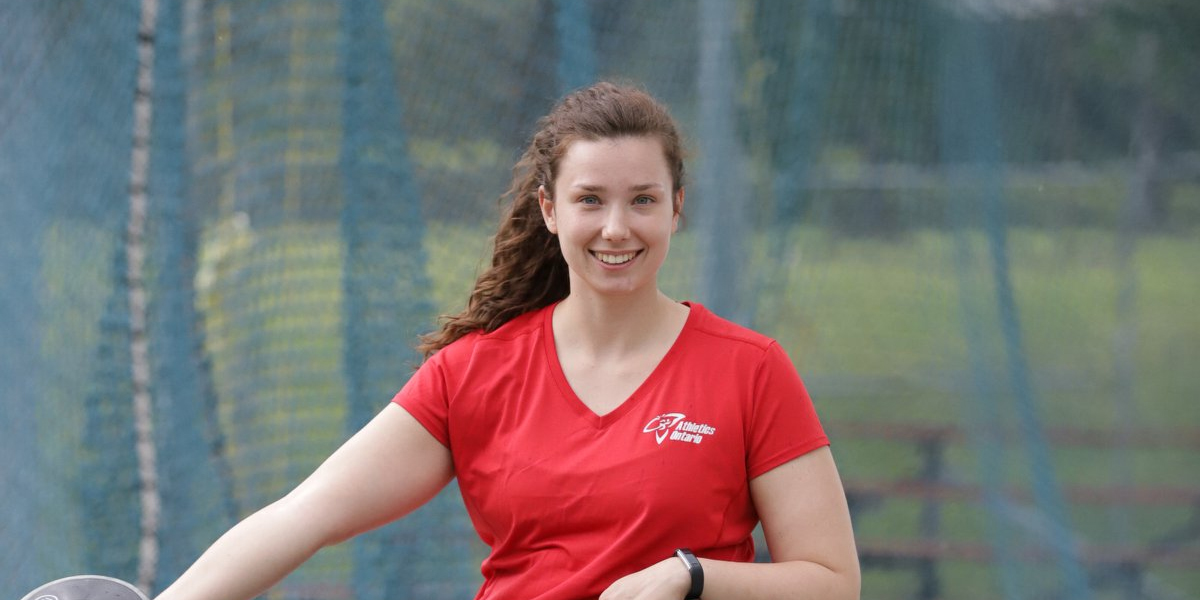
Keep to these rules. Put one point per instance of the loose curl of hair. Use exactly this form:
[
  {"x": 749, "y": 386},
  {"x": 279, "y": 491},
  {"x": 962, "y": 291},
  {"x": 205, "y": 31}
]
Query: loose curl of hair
[{"x": 528, "y": 271}]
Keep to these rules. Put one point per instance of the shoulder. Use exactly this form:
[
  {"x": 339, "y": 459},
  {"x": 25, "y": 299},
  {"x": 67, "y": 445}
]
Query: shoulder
[
  {"x": 715, "y": 329},
  {"x": 730, "y": 347},
  {"x": 519, "y": 331}
]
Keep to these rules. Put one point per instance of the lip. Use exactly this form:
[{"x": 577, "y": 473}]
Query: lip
[{"x": 596, "y": 255}]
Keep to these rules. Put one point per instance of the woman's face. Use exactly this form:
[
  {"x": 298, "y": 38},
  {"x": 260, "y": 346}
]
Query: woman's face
[{"x": 613, "y": 210}]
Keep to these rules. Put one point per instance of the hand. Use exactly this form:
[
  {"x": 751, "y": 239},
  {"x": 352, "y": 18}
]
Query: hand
[{"x": 665, "y": 580}]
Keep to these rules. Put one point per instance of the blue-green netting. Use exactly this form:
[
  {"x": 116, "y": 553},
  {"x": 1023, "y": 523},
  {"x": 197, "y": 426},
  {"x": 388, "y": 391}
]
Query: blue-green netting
[{"x": 979, "y": 215}]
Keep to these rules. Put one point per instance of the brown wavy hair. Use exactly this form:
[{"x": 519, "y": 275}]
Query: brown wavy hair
[{"x": 528, "y": 271}]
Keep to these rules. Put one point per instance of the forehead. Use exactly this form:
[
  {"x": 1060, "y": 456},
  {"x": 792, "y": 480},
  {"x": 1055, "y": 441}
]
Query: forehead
[{"x": 614, "y": 162}]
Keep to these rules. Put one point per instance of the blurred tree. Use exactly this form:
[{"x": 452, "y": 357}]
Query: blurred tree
[
  {"x": 1110, "y": 82},
  {"x": 1159, "y": 74},
  {"x": 832, "y": 83}
]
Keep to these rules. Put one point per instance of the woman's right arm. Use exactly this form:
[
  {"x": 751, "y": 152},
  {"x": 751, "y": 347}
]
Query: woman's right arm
[{"x": 385, "y": 471}]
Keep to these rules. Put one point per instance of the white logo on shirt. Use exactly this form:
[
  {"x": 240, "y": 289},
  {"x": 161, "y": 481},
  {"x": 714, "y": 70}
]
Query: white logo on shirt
[{"x": 675, "y": 427}]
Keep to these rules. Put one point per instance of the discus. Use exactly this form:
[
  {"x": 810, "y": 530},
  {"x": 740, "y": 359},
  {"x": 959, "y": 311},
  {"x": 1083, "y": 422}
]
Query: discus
[{"x": 86, "y": 587}]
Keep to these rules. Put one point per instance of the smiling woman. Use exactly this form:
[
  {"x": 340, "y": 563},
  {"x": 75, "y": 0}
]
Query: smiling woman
[
  {"x": 609, "y": 442},
  {"x": 528, "y": 270},
  {"x": 614, "y": 215}
]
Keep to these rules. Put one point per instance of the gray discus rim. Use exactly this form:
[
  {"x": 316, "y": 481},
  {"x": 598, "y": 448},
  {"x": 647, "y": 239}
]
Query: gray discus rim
[{"x": 48, "y": 591}]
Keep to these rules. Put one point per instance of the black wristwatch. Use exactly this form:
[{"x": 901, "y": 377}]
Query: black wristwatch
[{"x": 695, "y": 570}]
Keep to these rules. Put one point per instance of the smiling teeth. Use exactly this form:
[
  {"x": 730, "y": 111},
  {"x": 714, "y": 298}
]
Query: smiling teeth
[{"x": 616, "y": 259}]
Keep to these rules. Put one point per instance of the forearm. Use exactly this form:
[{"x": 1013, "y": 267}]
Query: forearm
[
  {"x": 256, "y": 554},
  {"x": 386, "y": 470},
  {"x": 795, "y": 580}
]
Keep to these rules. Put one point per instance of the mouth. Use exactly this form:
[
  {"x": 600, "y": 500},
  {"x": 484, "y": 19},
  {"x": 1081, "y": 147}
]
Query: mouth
[{"x": 614, "y": 259}]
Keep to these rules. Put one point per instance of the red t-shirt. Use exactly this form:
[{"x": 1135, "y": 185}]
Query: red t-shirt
[{"x": 570, "y": 501}]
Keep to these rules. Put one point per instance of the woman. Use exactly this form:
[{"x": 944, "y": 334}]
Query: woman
[{"x": 609, "y": 442}]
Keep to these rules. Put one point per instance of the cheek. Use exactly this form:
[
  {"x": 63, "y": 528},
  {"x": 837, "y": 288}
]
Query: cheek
[
  {"x": 572, "y": 236},
  {"x": 669, "y": 228}
]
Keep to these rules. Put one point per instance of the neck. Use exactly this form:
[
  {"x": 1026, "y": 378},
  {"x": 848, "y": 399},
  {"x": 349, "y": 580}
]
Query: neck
[{"x": 614, "y": 325}]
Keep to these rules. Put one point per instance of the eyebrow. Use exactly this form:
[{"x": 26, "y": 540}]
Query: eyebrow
[{"x": 641, "y": 187}]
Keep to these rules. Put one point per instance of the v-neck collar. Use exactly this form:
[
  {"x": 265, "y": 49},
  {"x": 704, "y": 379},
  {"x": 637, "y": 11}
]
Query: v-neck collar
[{"x": 572, "y": 399}]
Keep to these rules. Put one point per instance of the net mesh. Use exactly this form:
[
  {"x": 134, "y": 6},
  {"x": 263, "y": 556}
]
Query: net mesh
[{"x": 977, "y": 219}]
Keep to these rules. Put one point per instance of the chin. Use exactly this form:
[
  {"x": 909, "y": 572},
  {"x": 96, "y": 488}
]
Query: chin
[{"x": 624, "y": 291}]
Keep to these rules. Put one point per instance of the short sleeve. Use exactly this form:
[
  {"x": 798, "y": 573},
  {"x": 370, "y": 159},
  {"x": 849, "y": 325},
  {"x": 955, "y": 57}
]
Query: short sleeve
[
  {"x": 783, "y": 422},
  {"x": 426, "y": 397}
]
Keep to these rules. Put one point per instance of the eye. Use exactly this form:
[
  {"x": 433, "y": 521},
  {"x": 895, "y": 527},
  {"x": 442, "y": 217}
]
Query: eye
[
  {"x": 643, "y": 200},
  {"x": 591, "y": 200}
]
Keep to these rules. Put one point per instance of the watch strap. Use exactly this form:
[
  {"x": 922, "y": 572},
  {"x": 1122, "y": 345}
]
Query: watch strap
[{"x": 695, "y": 570}]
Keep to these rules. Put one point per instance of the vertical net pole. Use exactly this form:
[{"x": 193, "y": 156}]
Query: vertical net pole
[
  {"x": 955, "y": 113},
  {"x": 135, "y": 250},
  {"x": 971, "y": 138},
  {"x": 1145, "y": 133},
  {"x": 984, "y": 405},
  {"x": 803, "y": 39},
  {"x": 194, "y": 484},
  {"x": 20, "y": 318},
  {"x": 722, "y": 221},
  {"x": 386, "y": 289},
  {"x": 576, "y": 47}
]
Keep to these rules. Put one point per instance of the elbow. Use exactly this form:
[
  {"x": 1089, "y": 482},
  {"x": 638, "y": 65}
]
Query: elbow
[
  {"x": 844, "y": 581},
  {"x": 849, "y": 581},
  {"x": 852, "y": 588},
  {"x": 825, "y": 580}
]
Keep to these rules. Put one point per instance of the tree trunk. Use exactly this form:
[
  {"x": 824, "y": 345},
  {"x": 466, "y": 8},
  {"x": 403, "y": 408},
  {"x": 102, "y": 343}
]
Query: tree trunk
[{"x": 1146, "y": 204}]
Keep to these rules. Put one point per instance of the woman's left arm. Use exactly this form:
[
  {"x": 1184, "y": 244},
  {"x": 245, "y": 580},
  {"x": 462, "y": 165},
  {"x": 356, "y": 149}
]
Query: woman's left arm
[{"x": 806, "y": 523}]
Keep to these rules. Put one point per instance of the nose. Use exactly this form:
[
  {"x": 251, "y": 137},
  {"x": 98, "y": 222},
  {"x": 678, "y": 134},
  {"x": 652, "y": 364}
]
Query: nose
[{"x": 615, "y": 225}]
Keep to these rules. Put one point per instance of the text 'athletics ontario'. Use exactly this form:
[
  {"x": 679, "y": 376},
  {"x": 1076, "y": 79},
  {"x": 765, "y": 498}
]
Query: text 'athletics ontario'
[{"x": 676, "y": 427}]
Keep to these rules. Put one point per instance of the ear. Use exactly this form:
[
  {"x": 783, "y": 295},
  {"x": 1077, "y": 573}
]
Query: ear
[
  {"x": 547, "y": 205},
  {"x": 677, "y": 208}
]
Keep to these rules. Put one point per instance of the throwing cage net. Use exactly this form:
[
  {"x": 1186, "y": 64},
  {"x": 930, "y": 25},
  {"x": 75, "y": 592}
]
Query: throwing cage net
[{"x": 972, "y": 225}]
